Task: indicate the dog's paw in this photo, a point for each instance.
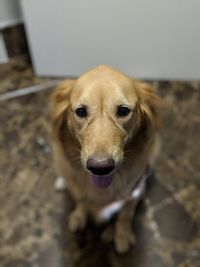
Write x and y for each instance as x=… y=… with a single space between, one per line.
x=77 y=220
x=108 y=233
x=123 y=240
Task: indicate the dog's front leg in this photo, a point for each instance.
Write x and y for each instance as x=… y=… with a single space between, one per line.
x=123 y=233
x=78 y=218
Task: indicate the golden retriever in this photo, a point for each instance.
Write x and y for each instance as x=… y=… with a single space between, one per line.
x=105 y=127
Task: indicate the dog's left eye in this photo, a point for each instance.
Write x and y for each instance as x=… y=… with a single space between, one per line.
x=81 y=112
x=122 y=111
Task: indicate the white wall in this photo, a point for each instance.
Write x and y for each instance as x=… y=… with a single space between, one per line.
x=10 y=13
x=146 y=38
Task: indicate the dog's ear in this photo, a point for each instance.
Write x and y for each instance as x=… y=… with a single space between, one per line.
x=60 y=104
x=148 y=105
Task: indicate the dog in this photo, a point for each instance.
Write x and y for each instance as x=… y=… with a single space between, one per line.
x=105 y=134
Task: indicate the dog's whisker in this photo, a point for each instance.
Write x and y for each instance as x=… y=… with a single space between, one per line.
x=128 y=150
x=77 y=158
x=78 y=149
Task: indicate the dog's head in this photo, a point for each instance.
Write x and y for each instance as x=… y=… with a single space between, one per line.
x=102 y=112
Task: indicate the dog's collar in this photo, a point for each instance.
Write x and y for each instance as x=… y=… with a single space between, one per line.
x=143 y=177
x=112 y=209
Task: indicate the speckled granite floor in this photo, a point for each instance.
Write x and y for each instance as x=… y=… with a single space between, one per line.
x=33 y=216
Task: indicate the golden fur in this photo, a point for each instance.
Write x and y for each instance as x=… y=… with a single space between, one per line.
x=131 y=141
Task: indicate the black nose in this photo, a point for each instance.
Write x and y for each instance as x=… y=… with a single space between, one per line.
x=100 y=166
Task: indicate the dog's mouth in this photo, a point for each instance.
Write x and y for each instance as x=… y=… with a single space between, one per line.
x=102 y=181
x=101 y=170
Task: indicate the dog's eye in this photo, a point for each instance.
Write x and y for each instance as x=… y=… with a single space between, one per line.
x=122 y=111
x=81 y=112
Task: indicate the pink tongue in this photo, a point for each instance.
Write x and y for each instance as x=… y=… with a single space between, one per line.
x=102 y=180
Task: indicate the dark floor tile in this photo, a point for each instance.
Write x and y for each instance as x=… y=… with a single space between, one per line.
x=156 y=192
x=178 y=257
x=175 y=223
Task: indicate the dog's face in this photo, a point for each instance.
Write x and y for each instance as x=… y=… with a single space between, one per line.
x=104 y=109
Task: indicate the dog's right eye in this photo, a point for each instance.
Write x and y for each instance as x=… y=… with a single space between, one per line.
x=81 y=112
x=122 y=111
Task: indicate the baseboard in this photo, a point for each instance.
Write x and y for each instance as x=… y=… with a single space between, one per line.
x=3 y=51
x=10 y=23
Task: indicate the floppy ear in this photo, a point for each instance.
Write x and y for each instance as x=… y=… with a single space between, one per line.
x=149 y=104
x=60 y=103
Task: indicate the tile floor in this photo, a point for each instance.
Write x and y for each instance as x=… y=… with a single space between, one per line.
x=33 y=216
